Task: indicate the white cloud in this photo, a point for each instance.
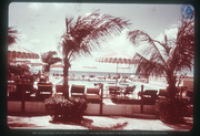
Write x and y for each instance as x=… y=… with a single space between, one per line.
x=171 y=34
x=119 y=44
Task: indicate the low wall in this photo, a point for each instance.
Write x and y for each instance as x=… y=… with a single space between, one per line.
x=121 y=109
x=14 y=107
x=34 y=107
x=92 y=109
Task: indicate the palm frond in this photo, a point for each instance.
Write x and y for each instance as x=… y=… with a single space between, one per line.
x=147 y=66
x=138 y=36
x=183 y=53
x=12 y=35
x=87 y=31
x=150 y=49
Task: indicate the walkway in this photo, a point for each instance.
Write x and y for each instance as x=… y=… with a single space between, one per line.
x=95 y=123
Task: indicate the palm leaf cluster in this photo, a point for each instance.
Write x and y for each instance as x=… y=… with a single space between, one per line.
x=86 y=31
x=12 y=35
x=165 y=57
x=50 y=58
x=185 y=46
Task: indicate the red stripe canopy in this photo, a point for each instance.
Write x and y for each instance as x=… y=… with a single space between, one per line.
x=116 y=58
x=15 y=51
x=57 y=65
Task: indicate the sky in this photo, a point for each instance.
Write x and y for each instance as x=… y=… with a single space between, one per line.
x=41 y=25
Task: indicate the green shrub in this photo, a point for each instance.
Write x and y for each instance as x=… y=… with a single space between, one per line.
x=170 y=112
x=65 y=110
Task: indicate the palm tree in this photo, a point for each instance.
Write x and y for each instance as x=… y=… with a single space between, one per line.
x=83 y=34
x=12 y=36
x=50 y=58
x=168 y=57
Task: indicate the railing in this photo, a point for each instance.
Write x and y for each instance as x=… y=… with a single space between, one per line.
x=24 y=100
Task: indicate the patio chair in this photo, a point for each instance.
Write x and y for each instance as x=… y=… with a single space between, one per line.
x=162 y=93
x=129 y=90
x=78 y=91
x=93 y=94
x=114 y=92
x=29 y=90
x=150 y=93
x=187 y=97
x=17 y=94
x=59 y=90
x=150 y=96
x=44 y=91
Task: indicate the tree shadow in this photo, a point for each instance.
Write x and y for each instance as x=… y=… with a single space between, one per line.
x=183 y=126
x=14 y=125
x=85 y=122
x=118 y=126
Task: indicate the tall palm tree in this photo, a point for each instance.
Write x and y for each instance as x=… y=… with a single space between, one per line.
x=168 y=57
x=12 y=35
x=83 y=33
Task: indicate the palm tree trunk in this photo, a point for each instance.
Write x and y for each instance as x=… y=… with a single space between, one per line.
x=65 y=78
x=172 y=86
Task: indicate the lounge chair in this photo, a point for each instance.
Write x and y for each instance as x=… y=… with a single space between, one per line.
x=129 y=90
x=17 y=94
x=59 y=89
x=78 y=91
x=150 y=92
x=149 y=96
x=162 y=93
x=114 y=92
x=93 y=94
x=44 y=91
x=187 y=97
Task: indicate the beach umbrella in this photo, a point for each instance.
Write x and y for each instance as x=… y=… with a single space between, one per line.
x=21 y=54
x=118 y=58
x=57 y=65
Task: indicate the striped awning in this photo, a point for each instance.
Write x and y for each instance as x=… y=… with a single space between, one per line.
x=57 y=65
x=15 y=52
x=116 y=58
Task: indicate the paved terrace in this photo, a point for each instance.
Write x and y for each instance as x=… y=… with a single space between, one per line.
x=98 y=123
